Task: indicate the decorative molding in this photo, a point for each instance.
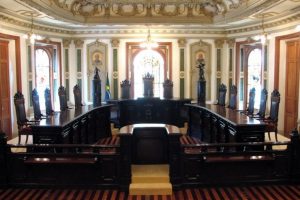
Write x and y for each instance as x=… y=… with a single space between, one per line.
x=219 y=43
x=67 y=75
x=181 y=74
x=79 y=75
x=115 y=43
x=230 y=74
x=181 y=42
x=78 y=43
x=115 y=75
x=29 y=76
x=265 y=75
x=219 y=74
x=230 y=42
x=66 y=43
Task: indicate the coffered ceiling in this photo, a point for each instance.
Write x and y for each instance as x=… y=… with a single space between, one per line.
x=102 y=14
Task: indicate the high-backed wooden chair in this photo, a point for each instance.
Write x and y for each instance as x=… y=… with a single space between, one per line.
x=36 y=105
x=168 y=89
x=232 y=97
x=222 y=94
x=125 y=89
x=62 y=98
x=250 y=110
x=262 y=106
x=22 y=122
x=77 y=96
x=48 y=103
x=271 y=121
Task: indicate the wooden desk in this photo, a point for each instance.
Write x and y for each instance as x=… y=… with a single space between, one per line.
x=134 y=148
x=150 y=110
x=213 y=123
x=84 y=125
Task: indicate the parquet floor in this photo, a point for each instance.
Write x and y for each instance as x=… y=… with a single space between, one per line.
x=253 y=192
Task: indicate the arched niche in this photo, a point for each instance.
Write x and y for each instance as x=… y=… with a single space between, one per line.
x=203 y=48
x=96 y=57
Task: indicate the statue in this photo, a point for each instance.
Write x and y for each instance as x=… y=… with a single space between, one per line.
x=200 y=63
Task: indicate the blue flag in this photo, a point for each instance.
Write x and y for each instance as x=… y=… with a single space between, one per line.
x=107 y=89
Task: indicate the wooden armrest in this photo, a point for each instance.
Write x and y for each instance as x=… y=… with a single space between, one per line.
x=61 y=160
x=241 y=158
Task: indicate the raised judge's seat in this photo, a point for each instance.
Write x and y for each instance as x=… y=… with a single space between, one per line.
x=250 y=109
x=77 y=96
x=232 y=97
x=222 y=94
x=168 y=89
x=36 y=105
x=262 y=106
x=272 y=119
x=125 y=89
x=48 y=103
x=62 y=98
x=22 y=122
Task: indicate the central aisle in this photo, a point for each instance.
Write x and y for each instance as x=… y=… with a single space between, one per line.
x=150 y=180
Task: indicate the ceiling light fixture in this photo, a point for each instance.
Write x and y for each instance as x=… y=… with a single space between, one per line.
x=149 y=43
x=30 y=35
x=298 y=28
x=264 y=36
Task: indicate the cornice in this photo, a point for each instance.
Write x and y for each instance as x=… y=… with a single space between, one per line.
x=50 y=30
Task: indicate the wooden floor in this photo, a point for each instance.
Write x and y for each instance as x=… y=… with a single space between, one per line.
x=261 y=192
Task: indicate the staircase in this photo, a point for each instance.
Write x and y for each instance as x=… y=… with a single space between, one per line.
x=150 y=180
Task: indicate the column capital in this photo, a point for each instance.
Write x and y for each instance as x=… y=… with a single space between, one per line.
x=66 y=42
x=78 y=43
x=231 y=42
x=115 y=42
x=181 y=42
x=219 y=42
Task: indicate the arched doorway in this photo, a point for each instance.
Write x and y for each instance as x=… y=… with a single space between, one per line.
x=148 y=61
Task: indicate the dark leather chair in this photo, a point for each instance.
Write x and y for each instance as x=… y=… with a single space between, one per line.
x=168 y=89
x=22 y=122
x=62 y=98
x=222 y=94
x=262 y=106
x=77 y=96
x=250 y=110
x=272 y=120
x=36 y=105
x=148 y=80
x=48 y=103
x=125 y=89
x=232 y=97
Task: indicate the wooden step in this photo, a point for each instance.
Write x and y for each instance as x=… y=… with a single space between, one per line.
x=150 y=189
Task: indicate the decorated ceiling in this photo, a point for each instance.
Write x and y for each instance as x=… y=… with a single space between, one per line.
x=82 y=14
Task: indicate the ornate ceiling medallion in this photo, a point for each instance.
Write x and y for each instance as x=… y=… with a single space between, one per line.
x=184 y=10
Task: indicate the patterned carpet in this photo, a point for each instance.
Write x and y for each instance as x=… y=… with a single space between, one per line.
x=258 y=192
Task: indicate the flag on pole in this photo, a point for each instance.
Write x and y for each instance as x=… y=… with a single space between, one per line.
x=107 y=89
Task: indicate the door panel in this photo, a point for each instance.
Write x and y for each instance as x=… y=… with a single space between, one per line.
x=291 y=87
x=5 y=115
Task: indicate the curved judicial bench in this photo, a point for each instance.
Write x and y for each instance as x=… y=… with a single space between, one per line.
x=213 y=123
x=149 y=110
x=82 y=125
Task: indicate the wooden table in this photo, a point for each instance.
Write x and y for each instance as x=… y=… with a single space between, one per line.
x=214 y=123
x=81 y=125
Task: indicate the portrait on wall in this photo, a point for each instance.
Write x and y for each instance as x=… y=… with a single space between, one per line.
x=97 y=59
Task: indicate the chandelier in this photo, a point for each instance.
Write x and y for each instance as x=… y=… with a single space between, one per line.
x=30 y=35
x=264 y=36
x=149 y=43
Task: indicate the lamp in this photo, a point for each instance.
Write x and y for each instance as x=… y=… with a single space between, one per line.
x=149 y=43
x=30 y=35
x=264 y=36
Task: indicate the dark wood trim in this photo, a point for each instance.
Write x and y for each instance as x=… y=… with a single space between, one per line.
x=277 y=55
x=18 y=57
